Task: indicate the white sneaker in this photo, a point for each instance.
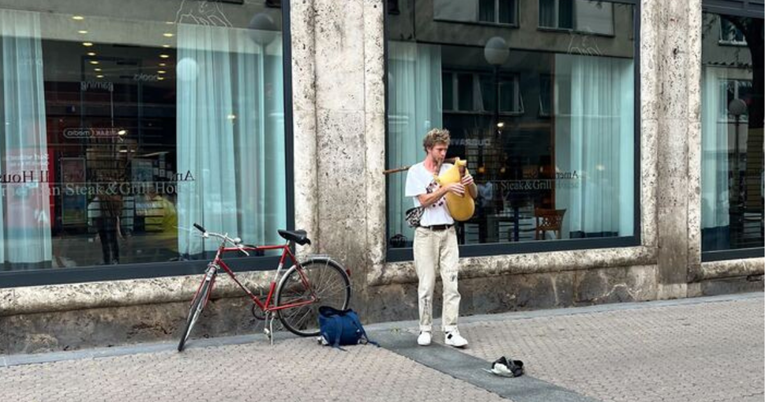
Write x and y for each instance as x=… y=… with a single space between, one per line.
x=454 y=338
x=424 y=338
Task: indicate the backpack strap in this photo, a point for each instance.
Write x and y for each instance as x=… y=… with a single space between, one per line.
x=338 y=332
x=358 y=325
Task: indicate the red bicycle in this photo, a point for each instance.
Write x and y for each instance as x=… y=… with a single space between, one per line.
x=300 y=291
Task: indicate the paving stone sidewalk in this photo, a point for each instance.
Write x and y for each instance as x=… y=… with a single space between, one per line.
x=707 y=349
x=290 y=370
x=704 y=351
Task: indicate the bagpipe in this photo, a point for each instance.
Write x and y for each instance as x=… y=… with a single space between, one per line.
x=461 y=207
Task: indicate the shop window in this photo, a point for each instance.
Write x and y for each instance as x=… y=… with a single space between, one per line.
x=561 y=174
x=732 y=178
x=120 y=134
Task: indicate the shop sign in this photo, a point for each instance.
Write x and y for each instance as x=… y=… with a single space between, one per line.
x=91 y=133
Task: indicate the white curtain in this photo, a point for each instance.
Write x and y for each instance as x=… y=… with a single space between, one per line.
x=230 y=135
x=414 y=107
x=715 y=195
x=595 y=139
x=25 y=232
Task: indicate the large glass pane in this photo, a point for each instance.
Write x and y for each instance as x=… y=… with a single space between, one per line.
x=553 y=155
x=125 y=127
x=732 y=140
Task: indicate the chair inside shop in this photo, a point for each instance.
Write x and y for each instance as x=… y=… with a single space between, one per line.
x=548 y=220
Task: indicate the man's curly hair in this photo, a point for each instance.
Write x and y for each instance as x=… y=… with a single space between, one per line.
x=436 y=136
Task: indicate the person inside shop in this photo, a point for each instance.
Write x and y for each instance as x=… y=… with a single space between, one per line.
x=105 y=210
x=435 y=240
x=161 y=221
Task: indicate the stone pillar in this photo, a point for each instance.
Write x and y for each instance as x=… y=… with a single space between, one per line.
x=302 y=34
x=348 y=40
x=678 y=58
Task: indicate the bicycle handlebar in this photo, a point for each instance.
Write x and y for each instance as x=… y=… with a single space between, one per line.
x=236 y=242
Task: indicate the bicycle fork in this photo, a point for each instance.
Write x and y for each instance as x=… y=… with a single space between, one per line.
x=269 y=329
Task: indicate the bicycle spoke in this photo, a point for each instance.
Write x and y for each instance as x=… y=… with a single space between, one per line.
x=304 y=318
x=326 y=280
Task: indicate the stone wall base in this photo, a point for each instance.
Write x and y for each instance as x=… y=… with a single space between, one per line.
x=104 y=327
x=723 y=286
x=520 y=292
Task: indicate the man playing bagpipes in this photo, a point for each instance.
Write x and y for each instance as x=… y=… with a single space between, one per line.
x=442 y=192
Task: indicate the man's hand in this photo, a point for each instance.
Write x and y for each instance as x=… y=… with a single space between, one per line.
x=469 y=184
x=467 y=179
x=456 y=188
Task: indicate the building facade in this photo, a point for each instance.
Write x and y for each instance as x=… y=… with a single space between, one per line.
x=617 y=145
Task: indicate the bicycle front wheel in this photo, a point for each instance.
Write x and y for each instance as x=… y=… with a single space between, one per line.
x=329 y=283
x=197 y=305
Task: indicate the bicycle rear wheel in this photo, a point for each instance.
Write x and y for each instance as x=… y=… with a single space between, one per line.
x=329 y=282
x=197 y=305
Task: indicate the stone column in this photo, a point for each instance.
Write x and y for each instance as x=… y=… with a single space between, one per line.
x=348 y=73
x=677 y=28
x=302 y=34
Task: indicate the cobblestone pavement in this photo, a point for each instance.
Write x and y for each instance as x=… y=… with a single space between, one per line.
x=710 y=351
x=290 y=370
x=695 y=350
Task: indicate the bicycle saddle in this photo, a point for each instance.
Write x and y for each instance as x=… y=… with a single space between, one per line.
x=298 y=236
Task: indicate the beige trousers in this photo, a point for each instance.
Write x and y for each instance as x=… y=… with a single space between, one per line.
x=436 y=251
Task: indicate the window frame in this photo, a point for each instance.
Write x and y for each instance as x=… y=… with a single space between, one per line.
x=494 y=249
x=514 y=24
x=504 y=77
x=557 y=26
x=723 y=41
x=574 y=28
x=496 y=14
x=97 y=273
x=739 y=8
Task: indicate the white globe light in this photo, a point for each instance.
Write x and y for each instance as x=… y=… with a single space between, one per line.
x=737 y=107
x=496 y=51
x=263 y=30
x=187 y=69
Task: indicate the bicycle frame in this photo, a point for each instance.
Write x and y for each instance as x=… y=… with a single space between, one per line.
x=266 y=306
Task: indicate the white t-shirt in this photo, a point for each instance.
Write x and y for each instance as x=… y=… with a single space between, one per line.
x=420 y=181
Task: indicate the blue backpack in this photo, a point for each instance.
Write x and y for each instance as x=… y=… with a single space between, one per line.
x=341 y=327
